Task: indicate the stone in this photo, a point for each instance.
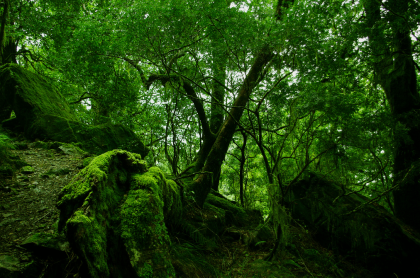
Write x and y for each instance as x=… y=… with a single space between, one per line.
x=370 y=234
x=43 y=241
x=27 y=170
x=43 y=113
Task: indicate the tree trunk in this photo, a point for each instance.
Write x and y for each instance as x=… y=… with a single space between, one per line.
x=241 y=169
x=218 y=82
x=3 y=36
x=203 y=183
x=396 y=74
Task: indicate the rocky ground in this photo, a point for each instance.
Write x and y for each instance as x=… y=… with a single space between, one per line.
x=28 y=200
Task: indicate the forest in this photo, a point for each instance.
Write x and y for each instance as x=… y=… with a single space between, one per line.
x=178 y=131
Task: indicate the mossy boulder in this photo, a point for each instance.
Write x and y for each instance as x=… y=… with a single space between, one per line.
x=235 y=215
x=43 y=113
x=366 y=233
x=30 y=96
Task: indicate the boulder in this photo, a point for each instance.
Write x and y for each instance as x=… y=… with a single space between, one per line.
x=365 y=233
x=43 y=113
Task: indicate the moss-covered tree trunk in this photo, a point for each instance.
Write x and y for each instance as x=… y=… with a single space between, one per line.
x=115 y=213
x=395 y=72
x=3 y=37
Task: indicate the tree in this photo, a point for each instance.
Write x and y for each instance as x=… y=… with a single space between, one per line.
x=389 y=38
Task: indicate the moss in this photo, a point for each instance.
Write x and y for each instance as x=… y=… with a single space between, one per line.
x=94 y=139
x=214 y=220
x=31 y=95
x=27 y=170
x=172 y=202
x=89 y=240
x=234 y=214
x=143 y=226
x=87 y=161
x=114 y=198
x=43 y=113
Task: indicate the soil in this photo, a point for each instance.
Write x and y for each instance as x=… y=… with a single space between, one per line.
x=29 y=206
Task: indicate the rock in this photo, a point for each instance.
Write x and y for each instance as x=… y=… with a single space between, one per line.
x=9 y=267
x=42 y=209
x=20 y=145
x=27 y=170
x=23 y=178
x=56 y=172
x=371 y=235
x=38 y=145
x=43 y=113
x=70 y=149
x=44 y=241
x=4 y=207
x=270 y=269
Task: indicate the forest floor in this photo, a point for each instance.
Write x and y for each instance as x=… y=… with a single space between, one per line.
x=28 y=201
x=28 y=206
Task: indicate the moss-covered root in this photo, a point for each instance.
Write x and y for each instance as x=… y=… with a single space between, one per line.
x=151 y=199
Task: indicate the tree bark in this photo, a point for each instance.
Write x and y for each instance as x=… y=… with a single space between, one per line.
x=218 y=82
x=3 y=29
x=395 y=72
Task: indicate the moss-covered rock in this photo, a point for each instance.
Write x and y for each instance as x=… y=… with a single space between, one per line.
x=43 y=113
x=30 y=96
x=40 y=241
x=115 y=213
x=364 y=232
x=235 y=215
x=27 y=170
